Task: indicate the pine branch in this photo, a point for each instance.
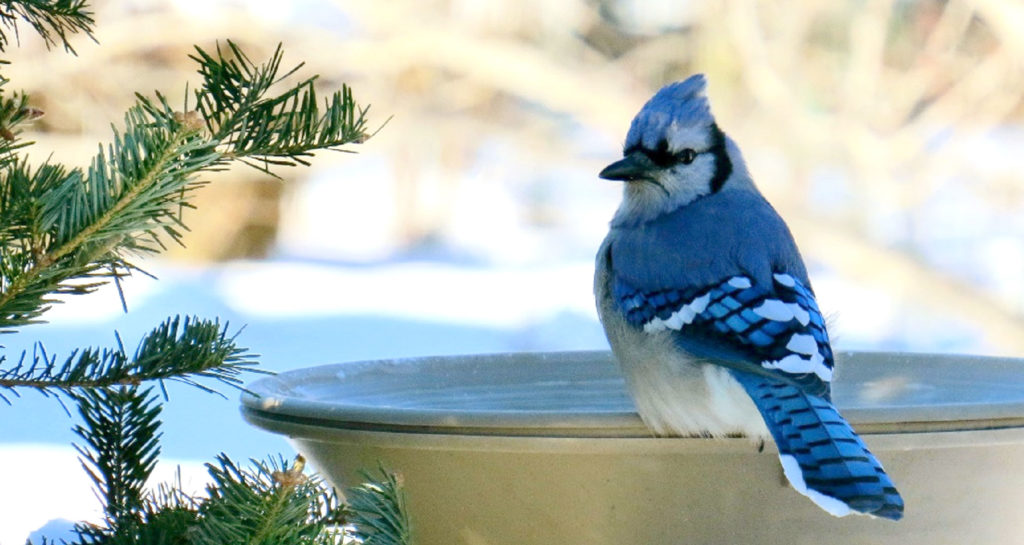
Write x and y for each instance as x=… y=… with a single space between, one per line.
x=167 y=518
x=120 y=431
x=379 y=512
x=68 y=231
x=53 y=20
x=84 y=226
x=275 y=130
x=271 y=504
x=23 y=242
x=14 y=113
x=182 y=350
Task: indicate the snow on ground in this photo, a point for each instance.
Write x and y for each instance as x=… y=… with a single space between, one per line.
x=44 y=485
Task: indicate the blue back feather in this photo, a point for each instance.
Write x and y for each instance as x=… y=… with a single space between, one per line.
x=707 y=241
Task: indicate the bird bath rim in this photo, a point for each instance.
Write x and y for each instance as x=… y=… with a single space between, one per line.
x=582 y=394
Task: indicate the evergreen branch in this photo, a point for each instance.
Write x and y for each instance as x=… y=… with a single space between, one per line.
x=271 y=504
x=379 y=511
x=48 y=18
x=24 y=243
x=14 y=112
x=171 y=496
x=84 y=224
x=277 y=130
x=167 y=517
x=137 y=187
x=72 y=231
x=183 y=350
x=67 y=231
x=121 y=445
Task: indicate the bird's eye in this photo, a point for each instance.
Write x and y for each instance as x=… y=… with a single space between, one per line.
x=687 y=156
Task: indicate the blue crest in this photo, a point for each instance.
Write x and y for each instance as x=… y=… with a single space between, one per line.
x=680 y=103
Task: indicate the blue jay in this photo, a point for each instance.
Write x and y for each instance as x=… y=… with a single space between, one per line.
x=707 y=306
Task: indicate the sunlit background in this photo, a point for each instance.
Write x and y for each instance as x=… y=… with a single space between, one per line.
x=887 y=133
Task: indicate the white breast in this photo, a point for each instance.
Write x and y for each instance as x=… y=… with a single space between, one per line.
x=676 y=394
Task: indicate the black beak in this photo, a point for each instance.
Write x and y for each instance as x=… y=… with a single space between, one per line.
x=635 y=166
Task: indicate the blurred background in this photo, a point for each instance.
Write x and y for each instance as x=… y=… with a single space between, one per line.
x=888 y=133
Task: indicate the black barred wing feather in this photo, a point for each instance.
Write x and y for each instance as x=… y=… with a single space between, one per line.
x=775 y=340
x=776 y=329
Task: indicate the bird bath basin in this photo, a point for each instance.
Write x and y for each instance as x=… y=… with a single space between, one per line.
x=546 y=448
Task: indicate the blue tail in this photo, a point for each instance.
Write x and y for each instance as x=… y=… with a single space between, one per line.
x=821 y=455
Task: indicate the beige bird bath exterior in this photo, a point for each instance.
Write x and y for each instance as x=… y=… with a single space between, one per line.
x=545 y=448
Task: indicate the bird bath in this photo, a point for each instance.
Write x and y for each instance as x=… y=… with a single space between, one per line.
x=546 y=448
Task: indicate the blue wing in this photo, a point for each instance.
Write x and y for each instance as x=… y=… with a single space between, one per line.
x=774 y=340
x=775 y=330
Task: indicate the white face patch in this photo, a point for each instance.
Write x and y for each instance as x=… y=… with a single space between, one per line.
x=676 y=186
x=644 y=200
x=791 y=468
x=697 y=138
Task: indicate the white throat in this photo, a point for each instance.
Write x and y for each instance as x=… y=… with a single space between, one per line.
x=643 y=201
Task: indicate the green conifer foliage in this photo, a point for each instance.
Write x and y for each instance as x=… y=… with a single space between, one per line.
x=67 y=230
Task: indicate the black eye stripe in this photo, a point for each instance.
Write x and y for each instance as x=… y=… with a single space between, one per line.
x=662 y=157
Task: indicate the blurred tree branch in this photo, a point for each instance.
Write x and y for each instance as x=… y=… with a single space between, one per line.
x=904 y=72
x=53 y=20
x=868 y=88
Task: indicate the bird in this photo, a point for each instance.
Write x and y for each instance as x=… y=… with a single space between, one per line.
x=707 y=306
